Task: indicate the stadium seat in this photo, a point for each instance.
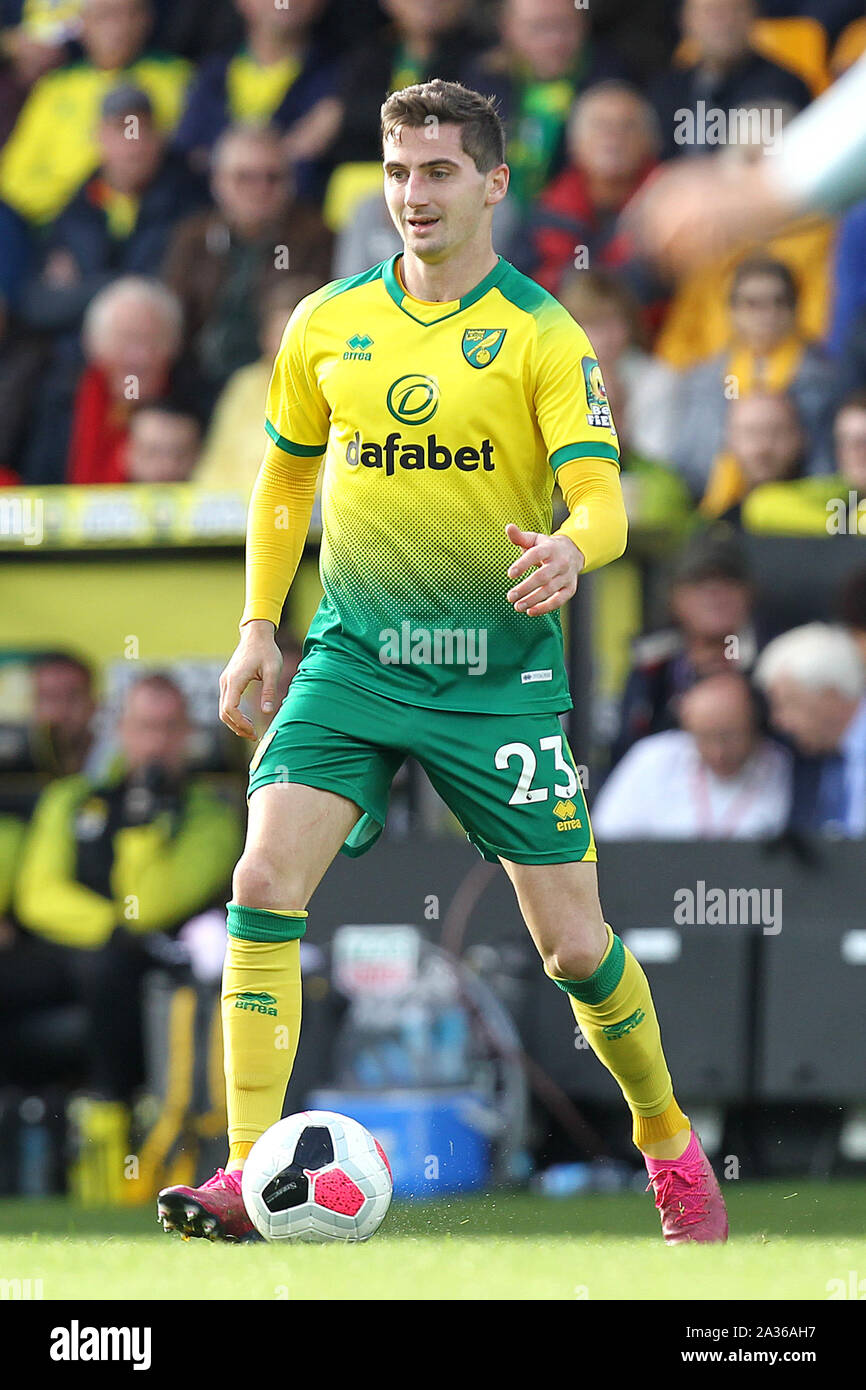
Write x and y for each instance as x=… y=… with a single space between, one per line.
x=797 y=43
x=850 y=46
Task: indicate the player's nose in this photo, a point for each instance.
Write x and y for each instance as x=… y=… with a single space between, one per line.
x=415 y=195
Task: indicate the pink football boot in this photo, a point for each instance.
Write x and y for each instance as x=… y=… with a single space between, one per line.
x=688 y=1197
x=215 y=1210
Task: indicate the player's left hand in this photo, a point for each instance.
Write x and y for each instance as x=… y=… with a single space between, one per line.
x=554 y=582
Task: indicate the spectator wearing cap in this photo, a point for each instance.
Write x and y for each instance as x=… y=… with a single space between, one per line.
x=815 y=681
x=612 y=141
x=281 y=76
x=714 y=629
x=220 y=261
x=767 y=353
x=119 y=222
x=132 y=338
x=720 y=777
x=53 y=146
x=721 y=71
x=545 y=58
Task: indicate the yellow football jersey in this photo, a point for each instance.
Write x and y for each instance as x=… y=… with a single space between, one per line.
x=440 y=423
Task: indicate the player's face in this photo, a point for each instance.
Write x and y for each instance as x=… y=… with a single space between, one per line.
x=437 y=198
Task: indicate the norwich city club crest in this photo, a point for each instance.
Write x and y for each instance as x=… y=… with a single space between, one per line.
x=480 y=345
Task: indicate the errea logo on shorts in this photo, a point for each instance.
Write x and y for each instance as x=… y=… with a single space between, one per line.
x=566 y=814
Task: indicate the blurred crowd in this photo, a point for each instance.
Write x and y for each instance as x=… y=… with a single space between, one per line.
x=175 y=175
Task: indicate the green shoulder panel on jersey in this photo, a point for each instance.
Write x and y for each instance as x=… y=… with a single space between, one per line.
x=549 y=316
x=349 y=282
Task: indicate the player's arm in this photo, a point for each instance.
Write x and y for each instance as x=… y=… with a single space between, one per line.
x=583 y=451
x=697 y=209
x=279 y=518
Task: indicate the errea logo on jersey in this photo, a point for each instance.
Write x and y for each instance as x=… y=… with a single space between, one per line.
x=359 y=348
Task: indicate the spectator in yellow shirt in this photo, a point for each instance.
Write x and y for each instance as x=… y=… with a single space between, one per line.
x=831 y=505
x=53 y=147
x=766 y=353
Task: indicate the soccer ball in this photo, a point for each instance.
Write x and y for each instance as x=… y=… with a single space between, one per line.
x=317 y=1176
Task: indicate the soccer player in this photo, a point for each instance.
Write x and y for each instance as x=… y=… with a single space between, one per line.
x=447 y=393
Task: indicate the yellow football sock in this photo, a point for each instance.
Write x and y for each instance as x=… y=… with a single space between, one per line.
x=261 y=1014
x=615 y=1012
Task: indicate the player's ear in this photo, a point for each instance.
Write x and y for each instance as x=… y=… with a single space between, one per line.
x=497 y=183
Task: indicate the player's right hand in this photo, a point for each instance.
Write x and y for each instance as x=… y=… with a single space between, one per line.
x=256 y=657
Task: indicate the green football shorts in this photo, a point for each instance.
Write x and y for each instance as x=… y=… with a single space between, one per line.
x=510 y=779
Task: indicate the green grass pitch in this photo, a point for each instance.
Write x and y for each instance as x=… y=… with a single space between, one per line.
x=788 y=1241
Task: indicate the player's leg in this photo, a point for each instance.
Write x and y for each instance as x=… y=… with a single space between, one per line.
x=608 y=991
x=513 y=783
x=294 y=832
x=312 y=788
x=612 y=1003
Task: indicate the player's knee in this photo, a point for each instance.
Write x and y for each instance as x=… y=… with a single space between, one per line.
x=259 y=882
x=573 y=961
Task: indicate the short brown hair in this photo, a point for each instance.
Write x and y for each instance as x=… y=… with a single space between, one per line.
x=450 y=103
